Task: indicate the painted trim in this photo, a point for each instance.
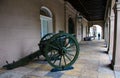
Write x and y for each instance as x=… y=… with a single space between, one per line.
x=45 y=17
x=43 y=7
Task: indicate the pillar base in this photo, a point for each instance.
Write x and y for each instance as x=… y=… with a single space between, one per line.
x=115 y=67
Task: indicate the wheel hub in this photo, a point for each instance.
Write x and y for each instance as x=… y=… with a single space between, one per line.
x=62 y=51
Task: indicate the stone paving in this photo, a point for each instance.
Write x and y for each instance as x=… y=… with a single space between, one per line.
x=93 y=62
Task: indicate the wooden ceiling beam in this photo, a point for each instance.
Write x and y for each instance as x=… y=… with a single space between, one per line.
x=90 y=8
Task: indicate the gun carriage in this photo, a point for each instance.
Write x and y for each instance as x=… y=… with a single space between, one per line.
x=61 y=50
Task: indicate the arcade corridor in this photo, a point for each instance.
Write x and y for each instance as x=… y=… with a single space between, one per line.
x=23 y=23
x=93 y=62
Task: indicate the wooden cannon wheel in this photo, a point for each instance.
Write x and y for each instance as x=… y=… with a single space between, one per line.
x=61 y=50
x=46 y=37
x=43 y=42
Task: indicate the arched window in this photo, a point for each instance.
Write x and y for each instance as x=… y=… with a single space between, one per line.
x=46 y=18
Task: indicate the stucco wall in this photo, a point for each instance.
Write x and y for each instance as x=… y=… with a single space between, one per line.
x=57 y=9
x=81 y=34
x=79 y=29
x=70 y=13
x=20 y=26
x=85 y=25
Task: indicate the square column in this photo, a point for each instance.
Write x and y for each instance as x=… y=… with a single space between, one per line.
x=106 y=34
x=111 y=36
x=116 y=50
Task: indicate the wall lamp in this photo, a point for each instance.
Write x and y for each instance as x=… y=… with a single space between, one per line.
x=79 y=18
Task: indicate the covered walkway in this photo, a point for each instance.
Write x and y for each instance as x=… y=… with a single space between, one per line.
x=93 y=62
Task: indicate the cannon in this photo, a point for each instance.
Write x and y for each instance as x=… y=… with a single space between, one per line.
x=61 y=50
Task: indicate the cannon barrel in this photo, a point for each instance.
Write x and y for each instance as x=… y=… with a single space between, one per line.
x=23 y=61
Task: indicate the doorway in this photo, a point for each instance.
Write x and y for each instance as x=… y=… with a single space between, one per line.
x=71 y=28
x=96 y=32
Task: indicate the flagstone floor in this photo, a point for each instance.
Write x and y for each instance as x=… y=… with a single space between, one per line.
x=93 y=62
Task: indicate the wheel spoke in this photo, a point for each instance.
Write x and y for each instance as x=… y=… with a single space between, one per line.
x=70 y=54
x=55 y=55
x=60 y=61
x=71 y=51
x=54 y=61
x=50 y=55
x=56 y=58
x=68 y=43
x=64 y=59
x=68 y=57
x=63 y=41
x=71 y=45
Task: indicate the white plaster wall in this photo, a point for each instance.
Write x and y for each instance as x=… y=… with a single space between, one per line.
x=57 y=8
x=85 y=24
x=20 y=26
x=112 y=29
x=70 y=13
x=84 y=31
x=79 y=29
x=111 y=35
x=116 y=57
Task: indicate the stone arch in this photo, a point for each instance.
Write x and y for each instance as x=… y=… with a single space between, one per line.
x=45 y=11
x=100 y=23
x=95 y=30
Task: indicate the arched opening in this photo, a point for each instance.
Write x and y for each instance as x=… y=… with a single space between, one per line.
x=46 y=18
x=71 y=28
x=96 y=32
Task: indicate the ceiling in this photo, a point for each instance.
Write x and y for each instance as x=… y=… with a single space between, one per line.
x=92 y=10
